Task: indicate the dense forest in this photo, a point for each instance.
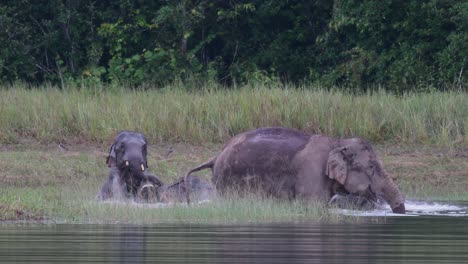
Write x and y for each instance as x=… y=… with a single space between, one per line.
x=397 y=44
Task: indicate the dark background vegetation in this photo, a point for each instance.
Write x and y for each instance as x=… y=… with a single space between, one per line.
x=397 y=44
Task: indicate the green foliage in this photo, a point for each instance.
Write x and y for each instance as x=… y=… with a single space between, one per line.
x=355 y=44
x=399 y=43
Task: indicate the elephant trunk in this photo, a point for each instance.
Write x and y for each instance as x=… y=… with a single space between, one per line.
x=393 y=196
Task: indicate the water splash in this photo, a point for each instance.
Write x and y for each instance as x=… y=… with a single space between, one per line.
x=415 y=208
x=132 y=203
x=437 y=208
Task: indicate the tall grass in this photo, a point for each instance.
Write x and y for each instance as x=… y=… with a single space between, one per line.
x=45 y=181
x=214 y=115
x=220 y=210
x=75 y=203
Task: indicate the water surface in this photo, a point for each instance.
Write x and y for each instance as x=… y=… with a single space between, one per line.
x=422 y=239
x=415 y=208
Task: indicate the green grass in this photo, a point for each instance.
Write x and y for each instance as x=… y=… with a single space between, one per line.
x=41 y=181
x=422 y=141
x=74 y=203
x=213 y=115
x=428 y=172
x=226 y=210
x=46 y=182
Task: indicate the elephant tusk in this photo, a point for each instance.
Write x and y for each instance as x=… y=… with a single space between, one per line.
x=142 y=167
x=126 y=163
x=147 y=185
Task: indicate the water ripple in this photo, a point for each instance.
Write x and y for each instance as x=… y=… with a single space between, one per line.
x=424 y=239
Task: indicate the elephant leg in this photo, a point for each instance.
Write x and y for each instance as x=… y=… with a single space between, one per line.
x=309 y=188
x=106 y=191
x=118 y=186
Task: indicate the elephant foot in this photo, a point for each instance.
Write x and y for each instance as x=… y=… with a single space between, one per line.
x=147 y=193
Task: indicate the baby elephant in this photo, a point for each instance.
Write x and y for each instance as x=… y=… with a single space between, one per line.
x=175 y=192
x=128 y=167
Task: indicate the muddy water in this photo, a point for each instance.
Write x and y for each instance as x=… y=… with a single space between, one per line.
x=437 y=233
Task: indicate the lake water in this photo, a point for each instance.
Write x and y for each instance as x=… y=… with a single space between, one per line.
x=431 y=233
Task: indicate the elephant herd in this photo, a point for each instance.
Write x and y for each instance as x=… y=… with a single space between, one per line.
x=276 y=162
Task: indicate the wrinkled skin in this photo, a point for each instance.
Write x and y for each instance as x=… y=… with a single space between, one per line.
x=287 y=163
x=175 y=192
x=128 y=166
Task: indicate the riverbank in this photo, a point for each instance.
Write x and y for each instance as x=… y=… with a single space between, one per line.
x=58 y=183
x=54 y=143
x=214 y=114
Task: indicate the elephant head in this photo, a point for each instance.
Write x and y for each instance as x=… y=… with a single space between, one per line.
x=128 y=169
x=355 y=165
x=128 y=153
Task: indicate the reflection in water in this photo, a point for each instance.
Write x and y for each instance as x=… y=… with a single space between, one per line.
x=396 y=240
x=129 y=245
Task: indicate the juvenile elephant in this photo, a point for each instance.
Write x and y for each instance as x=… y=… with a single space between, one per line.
x=287 y=163
x=176 y=191
x=128 y=167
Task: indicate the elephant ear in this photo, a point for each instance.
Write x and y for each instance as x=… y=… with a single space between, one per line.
x=336 y=165
x=111 y=159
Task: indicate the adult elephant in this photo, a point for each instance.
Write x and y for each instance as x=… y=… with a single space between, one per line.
x=128 y=166
x=287 y=163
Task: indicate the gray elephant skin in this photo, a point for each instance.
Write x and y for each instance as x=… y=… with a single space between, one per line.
x=290 y=164
x=128 y=166
x=176 y=191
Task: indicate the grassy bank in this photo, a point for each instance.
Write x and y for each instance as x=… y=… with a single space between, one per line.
x=44 y=182
x=214 y=115
x=421 y=139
